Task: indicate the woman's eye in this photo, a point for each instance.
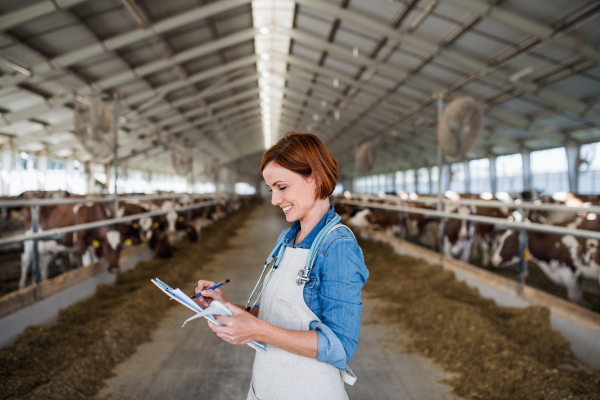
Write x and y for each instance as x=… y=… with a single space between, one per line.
x=283 y=188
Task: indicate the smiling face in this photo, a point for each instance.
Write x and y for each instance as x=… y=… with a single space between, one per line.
x=292 y=192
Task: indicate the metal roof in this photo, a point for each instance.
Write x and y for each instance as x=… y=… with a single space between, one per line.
x=356 y=70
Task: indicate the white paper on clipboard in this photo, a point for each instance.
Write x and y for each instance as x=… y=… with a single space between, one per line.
x=182 y=298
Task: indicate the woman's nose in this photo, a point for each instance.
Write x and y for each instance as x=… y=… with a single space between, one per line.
x=275 y=198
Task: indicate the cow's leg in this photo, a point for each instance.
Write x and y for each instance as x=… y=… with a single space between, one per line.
x=26 y=258
x=575 y=291
x=466 y=252
x=60 y=260
x=448 y=247
x=485 y=252
x=73 y=259
x=45 y=260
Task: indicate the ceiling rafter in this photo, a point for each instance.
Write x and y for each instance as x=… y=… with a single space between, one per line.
x=540 y=31
x=125 y=39
x=481 y=68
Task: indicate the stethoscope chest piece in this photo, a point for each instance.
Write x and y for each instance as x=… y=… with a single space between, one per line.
x=302 y=278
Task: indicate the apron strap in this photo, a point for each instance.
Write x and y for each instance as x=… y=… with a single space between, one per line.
x=348 y=376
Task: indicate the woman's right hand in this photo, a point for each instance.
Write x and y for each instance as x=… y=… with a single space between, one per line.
x=209 y=295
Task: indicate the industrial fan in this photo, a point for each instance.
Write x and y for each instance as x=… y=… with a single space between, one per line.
x=366 y=157
x=95 y=127
x=211 y=170
x=460 y=126
x=182 y=160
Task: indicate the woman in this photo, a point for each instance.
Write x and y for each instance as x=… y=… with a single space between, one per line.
x=310 y=327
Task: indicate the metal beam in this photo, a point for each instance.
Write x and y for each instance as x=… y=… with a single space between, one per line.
x=471 y=64
x=37 y=10
x=126 y=39
x=495 y=13
x=179 y=58
x=400 y=74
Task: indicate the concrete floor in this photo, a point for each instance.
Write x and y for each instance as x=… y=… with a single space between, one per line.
x=192 y=362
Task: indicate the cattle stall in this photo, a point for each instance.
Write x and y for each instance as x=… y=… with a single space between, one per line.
x=458 y=141
x=520 y=295
x=38 y=302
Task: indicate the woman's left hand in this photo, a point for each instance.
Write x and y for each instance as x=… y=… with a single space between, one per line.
x=241 y=328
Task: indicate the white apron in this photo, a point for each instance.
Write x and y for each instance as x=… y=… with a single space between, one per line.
x=278 y=374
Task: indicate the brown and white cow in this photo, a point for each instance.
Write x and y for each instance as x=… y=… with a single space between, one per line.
x=459 y=234
x=566 y=260
x=58 y=216
x=487 y=237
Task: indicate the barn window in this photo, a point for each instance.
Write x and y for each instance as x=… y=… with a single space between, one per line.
x=56 y=164
x=434 y=179
x=479 y=173
x=399 y=181
x=589 y=169
x=423 y=181
x=457 y=177
x=244 y=188
x=409 y=177
x=509 y=173
x=549 y=170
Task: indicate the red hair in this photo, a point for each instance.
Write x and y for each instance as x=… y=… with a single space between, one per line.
x=306 y=155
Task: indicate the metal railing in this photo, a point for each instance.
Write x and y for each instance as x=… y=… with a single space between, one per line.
x=522 y=227
x=525 y=205
x=35 y=205
x=106 y=199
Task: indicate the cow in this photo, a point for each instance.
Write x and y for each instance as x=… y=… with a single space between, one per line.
x=459 y=234
x=160 y=244
x=135 y=231
x=487 y=236
x=58 y=216
x=566 y=260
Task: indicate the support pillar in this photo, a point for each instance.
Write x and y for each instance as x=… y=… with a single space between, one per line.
x=89 y=177
x=446 y=178
x=6 y=168
x=42 y=171
x=430 y=180
x=467 y=177
x=572 y=150
x=69 y=172
x=393 y=180
x=493 y=178
x=526 y=156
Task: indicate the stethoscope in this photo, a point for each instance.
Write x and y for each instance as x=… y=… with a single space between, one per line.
x=277 y=254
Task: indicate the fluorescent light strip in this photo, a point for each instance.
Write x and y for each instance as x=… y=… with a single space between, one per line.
x=269 y=43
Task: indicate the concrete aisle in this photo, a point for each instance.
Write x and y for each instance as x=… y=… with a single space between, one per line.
x=192 y=362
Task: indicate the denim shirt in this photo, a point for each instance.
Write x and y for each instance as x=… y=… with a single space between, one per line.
x=333 y=292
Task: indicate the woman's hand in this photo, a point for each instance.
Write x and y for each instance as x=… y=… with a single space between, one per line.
x=241 y=328
x=208 y=295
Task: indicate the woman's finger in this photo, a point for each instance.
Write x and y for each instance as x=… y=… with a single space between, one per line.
x=217 y=328
x=202 y=284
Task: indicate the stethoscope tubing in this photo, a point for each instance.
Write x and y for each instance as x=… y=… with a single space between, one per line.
x=276 y=259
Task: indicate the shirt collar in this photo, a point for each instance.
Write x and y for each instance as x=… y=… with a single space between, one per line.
x=310 y=238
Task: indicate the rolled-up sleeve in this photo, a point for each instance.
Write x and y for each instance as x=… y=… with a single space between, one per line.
x=342 y=278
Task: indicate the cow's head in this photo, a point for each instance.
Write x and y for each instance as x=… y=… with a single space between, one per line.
x=145 y=228
x=412 y=225
x=111 y=249
x=171 y=220
x=507 y=252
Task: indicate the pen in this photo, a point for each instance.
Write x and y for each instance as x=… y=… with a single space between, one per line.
x=212 y=288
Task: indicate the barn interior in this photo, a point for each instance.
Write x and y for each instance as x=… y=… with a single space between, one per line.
x=460 y=128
